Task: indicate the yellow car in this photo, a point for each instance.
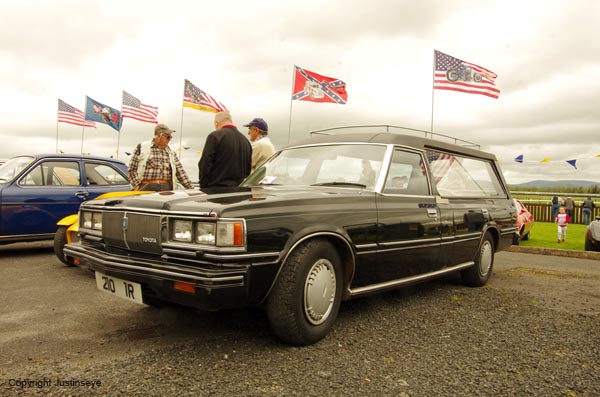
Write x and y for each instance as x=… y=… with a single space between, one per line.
x=68 y=228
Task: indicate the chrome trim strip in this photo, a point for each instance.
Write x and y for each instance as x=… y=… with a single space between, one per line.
x=370 y=245
x=404 y=281
x=110 y=265
x=407 y=242
x=242 y=256
x=195 y=215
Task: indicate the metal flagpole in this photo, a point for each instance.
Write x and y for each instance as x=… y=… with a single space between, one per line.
x=119 y=132
x=82 y=133
x=181 y=133
x=291 y=101
x=432 y=93
x=57 y=135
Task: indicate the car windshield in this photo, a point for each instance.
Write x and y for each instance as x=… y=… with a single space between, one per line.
x=12 y=168
x=347 y=165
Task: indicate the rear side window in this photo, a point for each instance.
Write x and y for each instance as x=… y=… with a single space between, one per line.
x=102 y=174
x=457 y=176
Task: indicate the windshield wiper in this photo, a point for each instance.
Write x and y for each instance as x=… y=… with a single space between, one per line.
x=339 y=184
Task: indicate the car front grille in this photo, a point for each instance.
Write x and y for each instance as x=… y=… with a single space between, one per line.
x=133 y=231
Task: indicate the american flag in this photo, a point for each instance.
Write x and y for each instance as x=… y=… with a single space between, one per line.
x=458 y=75
x=439 y=164
x=133 y=108
x=194 y=97
x=310 y=86
x=68 y=114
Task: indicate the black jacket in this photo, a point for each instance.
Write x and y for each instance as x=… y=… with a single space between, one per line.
x=226 y=158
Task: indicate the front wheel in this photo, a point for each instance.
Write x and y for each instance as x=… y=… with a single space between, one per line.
x=60 y=239
x=305 y=300
x=479 y=274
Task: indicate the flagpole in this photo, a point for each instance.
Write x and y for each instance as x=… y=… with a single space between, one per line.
x=291 y=101
x=180 y=132
x=82 y=132
x=432 y=94
x=57 y=135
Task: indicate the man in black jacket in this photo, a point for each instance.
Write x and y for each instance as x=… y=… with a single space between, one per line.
x=227 y=155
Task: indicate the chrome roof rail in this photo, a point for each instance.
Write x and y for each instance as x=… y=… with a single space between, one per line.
x=457 y=141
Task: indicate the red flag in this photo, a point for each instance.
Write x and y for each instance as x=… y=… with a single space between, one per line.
x=458 y=75
x=309 y=86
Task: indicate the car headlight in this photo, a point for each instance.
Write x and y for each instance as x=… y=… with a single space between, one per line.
x=205 y=233
x=90 y=220
x=86 y=219
x=182 y=231
x=97 y=220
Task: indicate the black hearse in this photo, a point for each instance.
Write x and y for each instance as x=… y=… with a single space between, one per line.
x=323 y=221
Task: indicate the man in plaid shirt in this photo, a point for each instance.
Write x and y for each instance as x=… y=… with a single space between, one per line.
x=154 y=166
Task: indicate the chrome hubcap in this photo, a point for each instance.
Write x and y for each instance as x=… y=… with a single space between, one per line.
x=485 y=260
x=319 y=291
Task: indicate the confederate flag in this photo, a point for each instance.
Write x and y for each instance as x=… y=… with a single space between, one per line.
x=309 y=86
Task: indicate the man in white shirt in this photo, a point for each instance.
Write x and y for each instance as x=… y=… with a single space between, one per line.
x=262 y=148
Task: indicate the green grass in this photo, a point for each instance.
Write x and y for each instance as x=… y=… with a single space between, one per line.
x=543 y=235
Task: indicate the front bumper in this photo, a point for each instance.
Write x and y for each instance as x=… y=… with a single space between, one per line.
x=215 y=287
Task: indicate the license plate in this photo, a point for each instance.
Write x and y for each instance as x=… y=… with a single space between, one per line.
x=121 y=288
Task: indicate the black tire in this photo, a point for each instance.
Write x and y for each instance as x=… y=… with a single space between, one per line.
x=479 y=274
x=60 y=239
x=297 y=313
x=516 y=239
x=589 y=246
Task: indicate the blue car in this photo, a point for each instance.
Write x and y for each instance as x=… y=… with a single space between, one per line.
x=36 y=191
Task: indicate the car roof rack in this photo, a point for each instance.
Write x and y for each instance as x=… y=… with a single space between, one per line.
x=457 y=141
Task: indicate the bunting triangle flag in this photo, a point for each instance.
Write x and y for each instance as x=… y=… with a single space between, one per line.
x=519 y=158
x=572 y=163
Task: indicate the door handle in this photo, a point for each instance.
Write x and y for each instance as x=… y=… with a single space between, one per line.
x=432 y=212
x=82 y=195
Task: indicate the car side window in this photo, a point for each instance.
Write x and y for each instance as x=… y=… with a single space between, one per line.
x=457 y=176
x=53 y=173
x=103 y=174
x=406 y=175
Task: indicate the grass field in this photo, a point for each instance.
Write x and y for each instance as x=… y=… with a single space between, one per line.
x=543 y=235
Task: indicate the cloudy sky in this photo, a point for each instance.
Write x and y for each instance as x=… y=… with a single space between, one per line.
x=545 y=53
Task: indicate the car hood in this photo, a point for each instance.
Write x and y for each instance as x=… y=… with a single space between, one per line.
x=236 y=201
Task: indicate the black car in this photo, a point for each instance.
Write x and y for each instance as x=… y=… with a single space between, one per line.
x=333 y=218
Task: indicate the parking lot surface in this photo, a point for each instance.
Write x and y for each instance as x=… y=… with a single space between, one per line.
x=533 y=330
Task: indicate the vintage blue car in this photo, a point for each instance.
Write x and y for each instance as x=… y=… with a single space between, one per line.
x=36 y=191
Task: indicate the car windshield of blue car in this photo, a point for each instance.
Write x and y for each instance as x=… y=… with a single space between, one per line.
x=340 y=165
x=13 y=167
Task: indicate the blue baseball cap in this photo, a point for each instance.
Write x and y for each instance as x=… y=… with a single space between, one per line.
x=258 y=123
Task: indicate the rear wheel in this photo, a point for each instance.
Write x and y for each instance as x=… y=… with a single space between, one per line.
x=588 y=245
x=305 y=300
x=516 y=239
x=478 y=275
x=60 y=239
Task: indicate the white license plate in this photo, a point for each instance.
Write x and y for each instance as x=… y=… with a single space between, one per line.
x=121 y=288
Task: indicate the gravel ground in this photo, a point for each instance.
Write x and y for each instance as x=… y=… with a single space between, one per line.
x=436 y=339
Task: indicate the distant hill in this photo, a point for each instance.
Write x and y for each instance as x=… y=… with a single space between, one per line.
x=542 y=184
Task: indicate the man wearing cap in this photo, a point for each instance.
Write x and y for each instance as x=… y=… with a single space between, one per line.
x=227 y=155
x=154 y=166
x=262 y=148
